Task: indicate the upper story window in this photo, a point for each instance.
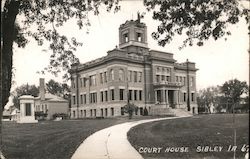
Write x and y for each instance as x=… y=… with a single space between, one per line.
x=139 y=76
x=139 y=37
x=129 y=76
x=105 y=77
x=73 y=83
x=92 y=80
x=125 y=37
x=135 y=76
x=101 y=78
x=121 y=75
x=112 y=76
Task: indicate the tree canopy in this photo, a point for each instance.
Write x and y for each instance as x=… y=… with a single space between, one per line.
x=59 y=89
x=25 y=89
x=199 y=20
x=233 y=89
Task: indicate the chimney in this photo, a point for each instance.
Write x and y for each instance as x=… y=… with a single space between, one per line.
x=42 y=89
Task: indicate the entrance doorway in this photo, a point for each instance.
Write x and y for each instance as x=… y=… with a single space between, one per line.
x=171 y=98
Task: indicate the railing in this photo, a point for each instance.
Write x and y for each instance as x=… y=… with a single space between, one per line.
x=166 y=83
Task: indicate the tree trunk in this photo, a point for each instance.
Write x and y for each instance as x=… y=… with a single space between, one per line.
x=9 y=14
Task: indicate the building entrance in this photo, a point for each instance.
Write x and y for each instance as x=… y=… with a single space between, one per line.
x=171 y=98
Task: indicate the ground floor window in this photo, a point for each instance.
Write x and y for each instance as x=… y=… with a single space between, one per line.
x=102 y=112
x=112 y=111
x=106 y=111
x=122 y=111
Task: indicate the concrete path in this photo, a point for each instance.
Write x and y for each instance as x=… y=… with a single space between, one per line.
x=111 y=143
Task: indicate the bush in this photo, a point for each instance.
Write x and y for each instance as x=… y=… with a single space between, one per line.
x=62 y=115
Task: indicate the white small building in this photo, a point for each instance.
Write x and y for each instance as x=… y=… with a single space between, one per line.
x=27 y=111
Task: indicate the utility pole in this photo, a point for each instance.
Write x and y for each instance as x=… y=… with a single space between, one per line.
x=188 y=87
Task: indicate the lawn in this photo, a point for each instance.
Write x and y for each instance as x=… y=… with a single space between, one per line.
x=50 y=139
x=187 y=134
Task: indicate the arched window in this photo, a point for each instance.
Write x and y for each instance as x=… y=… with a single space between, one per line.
x=112 y=77
x=121 y=75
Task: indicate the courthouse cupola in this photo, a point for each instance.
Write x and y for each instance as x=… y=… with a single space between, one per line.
x=133 y=33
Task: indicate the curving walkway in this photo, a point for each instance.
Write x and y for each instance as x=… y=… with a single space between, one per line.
x=111 y=143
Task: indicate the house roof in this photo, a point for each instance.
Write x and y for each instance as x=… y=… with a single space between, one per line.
x=52 y=98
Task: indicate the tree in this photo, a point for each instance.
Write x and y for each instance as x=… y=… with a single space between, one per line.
x=208 y=97
x=130 y=108
x=233 y=89
x=198 y=19
x=45 y=17
x=24 y=90
x=59 y=89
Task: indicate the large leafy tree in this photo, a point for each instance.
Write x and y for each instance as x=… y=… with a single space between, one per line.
x=233 y=89
x=25 y=89
x=199 y=20
x=59 y=89
x=208 y=97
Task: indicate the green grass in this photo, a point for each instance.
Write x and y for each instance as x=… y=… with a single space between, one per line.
x=202 y=130
x=51 y=139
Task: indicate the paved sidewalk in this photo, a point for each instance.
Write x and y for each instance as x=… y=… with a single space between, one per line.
x=111 y=143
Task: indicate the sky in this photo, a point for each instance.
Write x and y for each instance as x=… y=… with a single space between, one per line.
x=217 y=61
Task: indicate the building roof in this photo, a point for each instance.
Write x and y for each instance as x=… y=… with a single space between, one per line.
x=52 y=98
x=26 y=97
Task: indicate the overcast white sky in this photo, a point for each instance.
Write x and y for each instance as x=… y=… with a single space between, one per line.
x=217 y=61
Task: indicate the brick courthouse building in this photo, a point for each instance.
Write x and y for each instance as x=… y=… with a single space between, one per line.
x=151 y=79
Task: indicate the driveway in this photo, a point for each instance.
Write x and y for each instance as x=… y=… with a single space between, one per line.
x=111 y=143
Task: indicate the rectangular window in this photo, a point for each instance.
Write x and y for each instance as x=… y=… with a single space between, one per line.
x=157 y=78
x=94 y=112
x=85 y=113
x=140 y=95
x=101 y=78
x=121 y=94
x=74 y=99
x=135 y=76
x=192 y=81
x=168 y=78
x=176 y=79
x=85 y=98
x=106 y=95
x=139 y=76
x=112 y=91
x=130 y=76
x=112 y=111
x=125 y=37
x=162 y=78
x=81 y=114
x=184 y=97
x=135 y=94
x=106 y=111
x=73 y=83
x=192 y=97
x=84 y=82
x=81 y=99
x=105 y=77
x=122 y=111
x=130 y=95
x=184 y=81
x=139 y=37
x=91 y=112
x=28 y=109
x=102 y=97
